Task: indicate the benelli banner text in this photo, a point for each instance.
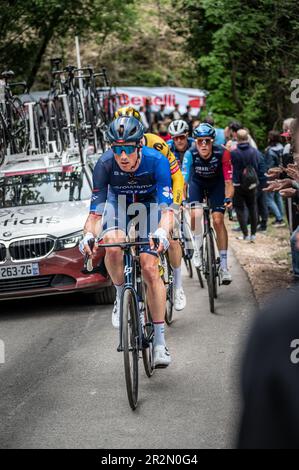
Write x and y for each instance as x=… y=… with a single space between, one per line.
x=136 y=96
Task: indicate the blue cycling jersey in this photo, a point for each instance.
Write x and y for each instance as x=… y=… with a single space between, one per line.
x=179 y=155
x=218 y=165
x=150 y=182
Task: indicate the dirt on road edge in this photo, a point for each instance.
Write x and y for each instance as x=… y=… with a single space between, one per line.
x=267 y=261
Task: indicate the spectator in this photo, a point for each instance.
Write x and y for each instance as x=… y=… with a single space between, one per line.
x=288 y=187
x=188 y=118
x=144 y=118
x=244 y=159
x=273 y=156
x=234 y=127
x=160 y=115
x=220 y=137
x=175 y=113
x=163 y=132
x=262 y=206
x=148 y=114
x=278 y=172
x=287 y=135
x=270 y=379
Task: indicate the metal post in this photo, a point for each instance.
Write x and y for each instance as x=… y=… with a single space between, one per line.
x=80 y=73
x=33 y=147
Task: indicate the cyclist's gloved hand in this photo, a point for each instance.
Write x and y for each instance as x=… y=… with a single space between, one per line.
x=84 y=246
x=228 y=202
x=161 y=234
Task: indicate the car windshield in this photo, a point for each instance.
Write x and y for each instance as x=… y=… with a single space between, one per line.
x=43 y=188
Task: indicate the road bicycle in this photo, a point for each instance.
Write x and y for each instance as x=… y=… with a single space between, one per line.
x=188 y=246
x=13 y=119
x=210 y=262
x=166 y=273
x=136 y=332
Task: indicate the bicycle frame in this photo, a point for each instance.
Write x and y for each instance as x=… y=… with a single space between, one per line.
x=133 y=281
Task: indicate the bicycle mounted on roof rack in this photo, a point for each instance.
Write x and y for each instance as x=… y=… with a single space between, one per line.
x=71 y=119
x=13 y=123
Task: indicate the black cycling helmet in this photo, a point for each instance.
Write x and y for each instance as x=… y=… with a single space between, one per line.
x=204 y=130
x=125 y=129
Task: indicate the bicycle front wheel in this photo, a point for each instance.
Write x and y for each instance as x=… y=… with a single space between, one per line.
x=168 y=281
x=188 y=265
x=211 y=270
x=130 y=339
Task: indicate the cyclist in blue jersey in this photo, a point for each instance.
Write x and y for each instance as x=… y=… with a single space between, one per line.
x=127 y=179
x=208 y=171
x=180 y=141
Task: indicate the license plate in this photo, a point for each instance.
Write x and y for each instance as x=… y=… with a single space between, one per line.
x=20 y=270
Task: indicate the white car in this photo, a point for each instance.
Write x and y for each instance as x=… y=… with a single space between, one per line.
x=43 y=206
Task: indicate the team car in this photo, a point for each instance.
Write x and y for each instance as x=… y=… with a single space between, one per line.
x=44 y=202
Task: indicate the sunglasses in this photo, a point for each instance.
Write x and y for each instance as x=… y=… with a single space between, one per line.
x=128 y=149
x=204 y=142
x=180 y=137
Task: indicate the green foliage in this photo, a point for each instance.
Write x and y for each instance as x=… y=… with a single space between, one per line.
x=29 y=26
x=247 y=54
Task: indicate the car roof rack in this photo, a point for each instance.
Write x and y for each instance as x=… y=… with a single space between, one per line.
x=17 y=164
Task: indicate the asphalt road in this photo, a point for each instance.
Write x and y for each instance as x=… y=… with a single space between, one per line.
x=62 y=384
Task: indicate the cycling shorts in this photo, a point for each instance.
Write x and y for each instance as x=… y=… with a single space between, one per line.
x=214 y=190
x=143 y=216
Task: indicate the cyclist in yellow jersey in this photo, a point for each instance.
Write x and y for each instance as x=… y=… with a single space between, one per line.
x=175 y=251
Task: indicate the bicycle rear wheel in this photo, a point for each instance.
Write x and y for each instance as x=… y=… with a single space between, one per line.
x=130 y=340
x=148 y=337
x=19 y=127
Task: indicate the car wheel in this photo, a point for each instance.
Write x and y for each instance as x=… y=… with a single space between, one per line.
x=105 y=296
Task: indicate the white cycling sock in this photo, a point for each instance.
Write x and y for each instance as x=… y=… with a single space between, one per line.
x=177 y=277
x=119 y=291
x=159 y=338
x=223 y=259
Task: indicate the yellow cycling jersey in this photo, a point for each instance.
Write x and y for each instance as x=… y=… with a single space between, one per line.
x=157 y=143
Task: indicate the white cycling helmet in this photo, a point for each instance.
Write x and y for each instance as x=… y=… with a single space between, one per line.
x=178 y=127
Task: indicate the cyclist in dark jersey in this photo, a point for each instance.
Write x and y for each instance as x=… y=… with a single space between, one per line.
x=127 y=179
x=207 y=169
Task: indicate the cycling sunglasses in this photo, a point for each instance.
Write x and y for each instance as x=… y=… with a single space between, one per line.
x=128 y=149
x=180 y=137
x=203 y=141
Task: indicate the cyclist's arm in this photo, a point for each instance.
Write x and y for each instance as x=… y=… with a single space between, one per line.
x=98 y=200
x=186 y=167
x=177 y=179
x=228 y=174
x=165 y=197
x=176 y=175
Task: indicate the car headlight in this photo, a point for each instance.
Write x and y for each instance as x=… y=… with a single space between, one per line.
x=69 y=241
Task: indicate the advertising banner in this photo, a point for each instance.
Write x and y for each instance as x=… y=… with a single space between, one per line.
x=136 y=96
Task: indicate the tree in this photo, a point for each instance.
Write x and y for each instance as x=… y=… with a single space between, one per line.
x=247 y=55
x=28 y=26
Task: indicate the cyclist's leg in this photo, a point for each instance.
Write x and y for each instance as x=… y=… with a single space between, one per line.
x=114 y=255
x=196 y=197
x=175 y=258
x=114 y=231
x=156 y=291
